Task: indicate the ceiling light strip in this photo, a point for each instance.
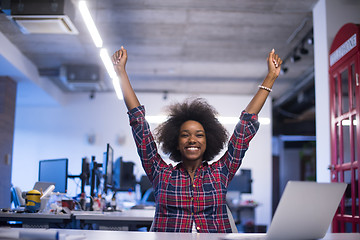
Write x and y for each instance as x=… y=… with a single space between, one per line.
x=107 y=62
x=99 y=43
x=110 y=69
x=90 y=24
x=116 y=84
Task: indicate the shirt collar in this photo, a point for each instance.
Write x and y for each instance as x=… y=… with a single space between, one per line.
x=181 y=167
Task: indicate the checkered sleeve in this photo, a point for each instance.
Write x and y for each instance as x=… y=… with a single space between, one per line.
x=244 y=131
x=145 y=144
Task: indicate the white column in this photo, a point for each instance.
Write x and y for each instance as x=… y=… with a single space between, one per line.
x=328 y=17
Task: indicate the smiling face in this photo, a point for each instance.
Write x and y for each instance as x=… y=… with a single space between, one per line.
x=192 y=141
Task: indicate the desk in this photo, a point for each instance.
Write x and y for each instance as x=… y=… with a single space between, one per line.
x=36 y=220
x=112 y=235
x=126 y=220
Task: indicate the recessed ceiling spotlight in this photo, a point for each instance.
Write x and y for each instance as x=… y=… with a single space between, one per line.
x=284 y=70
x=310 y=41
x=295 y=57
x=303 y=50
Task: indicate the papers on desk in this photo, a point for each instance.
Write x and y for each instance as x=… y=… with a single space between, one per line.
x=244 y=236
x=38 y=234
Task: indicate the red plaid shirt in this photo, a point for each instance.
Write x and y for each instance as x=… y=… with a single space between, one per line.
x=179 y=201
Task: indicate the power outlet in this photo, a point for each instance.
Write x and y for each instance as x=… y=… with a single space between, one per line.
x=7 y=159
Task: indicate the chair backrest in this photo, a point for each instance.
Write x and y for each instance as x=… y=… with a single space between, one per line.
x=231 y=220
x=17 y=197
x=230 y=216
x=148 y=196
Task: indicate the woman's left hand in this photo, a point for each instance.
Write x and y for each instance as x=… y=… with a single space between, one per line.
x=274 y=63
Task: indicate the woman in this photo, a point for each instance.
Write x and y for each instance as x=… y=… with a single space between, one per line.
x=191 y=196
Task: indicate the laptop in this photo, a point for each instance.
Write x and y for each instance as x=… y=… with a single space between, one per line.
x=42 y=186
x=305 y=211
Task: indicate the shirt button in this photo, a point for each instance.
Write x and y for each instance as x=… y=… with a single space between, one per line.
x=198 y=228
x=192 y=213
x=192 y=199
x=194 y=185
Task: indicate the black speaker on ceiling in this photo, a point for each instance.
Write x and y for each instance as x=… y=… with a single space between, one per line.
x=38 y=7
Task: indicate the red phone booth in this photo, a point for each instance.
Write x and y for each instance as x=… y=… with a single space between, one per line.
x=344 y=69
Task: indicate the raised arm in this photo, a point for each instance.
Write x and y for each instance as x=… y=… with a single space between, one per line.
x=119 y=59
x=274 y=65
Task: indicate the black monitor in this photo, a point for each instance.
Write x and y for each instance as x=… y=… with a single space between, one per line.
x=56 y=171
x=108 y=167
x=241 y=182
x=124 y=178
x=85 y=174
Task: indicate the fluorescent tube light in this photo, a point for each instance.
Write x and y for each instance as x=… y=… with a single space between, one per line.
x=156 y=119
x=99 y=43
x=264 y=121
x=235 y=120
x=90 y=24
x=228 y=120
x=107 y=62
x=110 y=69
x=116 y=84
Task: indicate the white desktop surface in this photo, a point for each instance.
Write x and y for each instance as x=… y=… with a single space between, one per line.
x=129 y=215
x=257 y=236
x=13 y=233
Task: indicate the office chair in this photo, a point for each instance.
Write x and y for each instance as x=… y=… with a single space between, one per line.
x=231 y=220
x=148 y=196
x=17 y=198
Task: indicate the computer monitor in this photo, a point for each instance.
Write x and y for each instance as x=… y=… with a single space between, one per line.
x=124 y=178
x=241 y=182
x=56 y=171
x=108 y=167
x=85 y=174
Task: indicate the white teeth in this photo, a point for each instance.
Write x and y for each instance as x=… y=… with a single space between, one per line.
x=192 y=148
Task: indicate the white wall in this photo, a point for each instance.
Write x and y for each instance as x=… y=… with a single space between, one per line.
x=328 y=17
x=50 y=132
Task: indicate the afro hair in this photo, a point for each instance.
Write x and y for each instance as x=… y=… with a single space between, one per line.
x=167 y=134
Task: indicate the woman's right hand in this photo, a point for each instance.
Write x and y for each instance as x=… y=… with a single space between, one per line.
x=119 y=59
